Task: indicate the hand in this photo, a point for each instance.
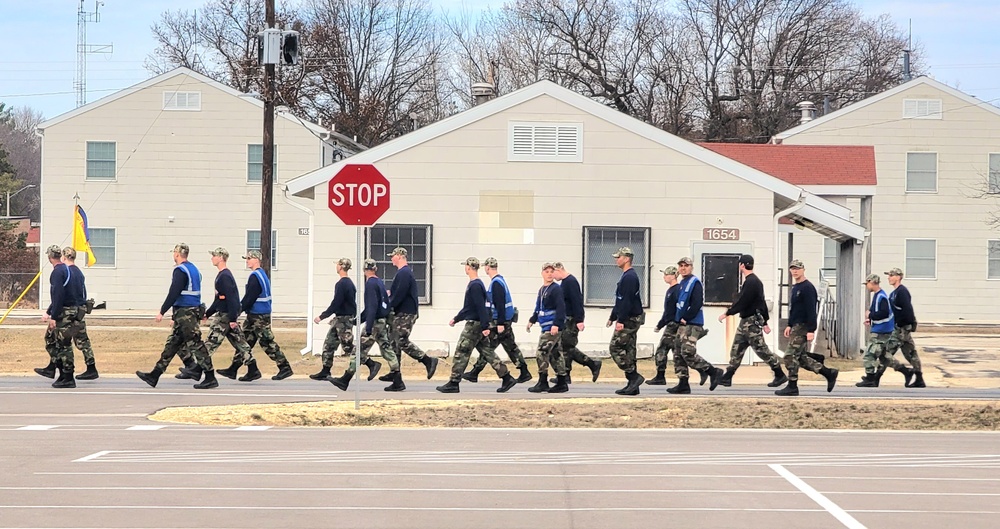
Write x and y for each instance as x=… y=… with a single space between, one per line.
x=451 y=323
x=528 y=328
x=609 y=323
x=683 y=322
x=52 y=324
x=810 y=336
x=159 y=318
x=619 y=326
x=788 y=332
x=316 y=319
x=204 y=319
x=767 y=329
x=554 y=330
x=486 y=332
x=868 y=322
x=233 y=325
x=45 y=317
x=722 y=316
x=500 y=329
x=579 y=326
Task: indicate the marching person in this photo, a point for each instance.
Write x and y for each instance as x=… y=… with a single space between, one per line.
x=882 y=324
x=569 y=333
x=501 y=331
x=344 y=309
x=690 y=328
x=184 y=301
x=257 y=326
x=403 y=313
x=475 y=334
x=81 y=339
x=64 y=317
x=550 y=312
x=906 y=323
x=626 y=316
x=668 y=325
x=801 y=329
x=752 y=309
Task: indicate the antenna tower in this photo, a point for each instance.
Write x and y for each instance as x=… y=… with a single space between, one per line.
x=82 y=49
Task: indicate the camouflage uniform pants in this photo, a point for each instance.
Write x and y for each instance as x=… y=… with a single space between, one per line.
x=219 y=330
x=548 y=353
x=380 y=335
x=902 y=340
x=82 y=342
x=622 y=347
x=341 y=334
x=569 y=337
x=400 y=327
x=257 y=328
x=59 y=339
x=686 y=351
x=877 y=353
x=472 y=338
x=667 y=342
x=185 y=339
x=797 y=354
x=507 y=341
x=750 y=333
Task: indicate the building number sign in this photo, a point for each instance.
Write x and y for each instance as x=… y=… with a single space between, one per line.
x=720 y=234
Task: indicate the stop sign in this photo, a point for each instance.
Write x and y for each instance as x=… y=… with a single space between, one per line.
x=359 y=194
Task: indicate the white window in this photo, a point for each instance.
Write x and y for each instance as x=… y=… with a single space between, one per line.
x=544 y=142
x=102 y=242
x=255 y=163
x=182 y=101
x=921 y=172
x=994 y=173
x=601 y=274
x=921 y=259
x=253 y=243
x=101 y=163
x=382 y=239
x=830 y=250
x=994 y=259
x=922 y=108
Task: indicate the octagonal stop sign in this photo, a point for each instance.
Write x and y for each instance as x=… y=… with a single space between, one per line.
x=359 y=194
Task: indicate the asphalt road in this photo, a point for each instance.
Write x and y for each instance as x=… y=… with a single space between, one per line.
x=89 y=458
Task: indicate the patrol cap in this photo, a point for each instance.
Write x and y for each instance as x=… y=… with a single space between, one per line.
x=873 y=278
x=895 y=272
x=399 y=250
x=471 y=262
x=345 y=263
x=671 y=270
x=746 y=259
x=546 y=266
x=69 y=252
x=685 y=261
x=795 y=263
x=54 y=252
x=624 y=250
x=253 y=254
x=182 y=249
x=491 y=262
x=220 y=252
x=370 y=264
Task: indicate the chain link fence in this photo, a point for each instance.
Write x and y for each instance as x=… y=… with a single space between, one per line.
x=11 y=286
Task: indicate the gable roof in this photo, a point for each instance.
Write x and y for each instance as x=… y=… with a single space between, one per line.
x=919 y=81
x=806 y=165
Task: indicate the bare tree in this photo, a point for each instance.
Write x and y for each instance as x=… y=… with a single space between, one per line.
x=21 y=159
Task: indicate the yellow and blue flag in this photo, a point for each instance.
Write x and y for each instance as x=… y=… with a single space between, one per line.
x=81 y=235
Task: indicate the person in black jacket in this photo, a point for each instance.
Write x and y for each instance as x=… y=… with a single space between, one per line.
x=501 y=306
x=344 y=309
x=569 y=336
x=668 y=325
x=627 y=316
x=63 y=316
x=906 y=323
x=403 y=313
x=801 y=329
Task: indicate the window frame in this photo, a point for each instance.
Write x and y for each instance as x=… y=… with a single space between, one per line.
x=99 y=264
x=647 y=267
x=249 y=181
x=87 y=160
x=990 y=187
x=988 y=259
x=906 y=259
x=384 y=262
x=906 y=175
x=274 y=247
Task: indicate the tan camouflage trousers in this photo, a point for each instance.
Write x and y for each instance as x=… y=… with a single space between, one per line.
x=185 y=339
x=219 y=330
x=59 y=339
x=379 y=335
x=341 y=334
x=667 y=342
x=750 y=333
x=257 y=329
x=472 y=338
x=686 y=351
x=902 y=339
x=400 y=327
x=796 y=355
x=506 y=340
x=622 y=346
x=81 y=340
x=549 y=354
x=877 y=353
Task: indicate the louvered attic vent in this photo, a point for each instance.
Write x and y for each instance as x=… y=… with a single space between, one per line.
x=545 y=142
x=182 y=101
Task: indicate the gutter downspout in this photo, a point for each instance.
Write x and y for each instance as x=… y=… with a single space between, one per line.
x=309 y=270
x=799 y=204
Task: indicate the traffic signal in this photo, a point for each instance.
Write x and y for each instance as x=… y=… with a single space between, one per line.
x=290 y=47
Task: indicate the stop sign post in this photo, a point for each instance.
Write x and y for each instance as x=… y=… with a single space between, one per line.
x=359 y=194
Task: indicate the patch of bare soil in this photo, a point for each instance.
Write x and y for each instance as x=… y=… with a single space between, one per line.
x=608 y=413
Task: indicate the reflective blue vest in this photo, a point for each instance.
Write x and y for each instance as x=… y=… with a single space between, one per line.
x=688 y=284
x=888 y=324
x=191 y=295
x=263 y=303
x=546 y=318
x=509 y=303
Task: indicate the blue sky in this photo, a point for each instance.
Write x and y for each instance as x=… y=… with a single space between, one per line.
x=961 y=42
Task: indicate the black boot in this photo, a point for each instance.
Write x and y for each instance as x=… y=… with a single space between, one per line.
x=867 y=381
x=635 y=380
x=727 y=377
x=231 y=371
x=523 y=374
x=388 y=376
x=89 y=374
x=682 y=387
x=150 y=378
x=704 y=376
x=715 y=374
x=431 y=364
x=543 y=383
x=659 y=380
x=595 y=369
x=779 y=377
x=284 y=371
x=65 y=379
x=397 y=382
x=569 y=377
x=831 y=377
x=252 y=372
x=907 y=374
x=322 y=373
x=918 y=380
x=450 y=387
x=791 y=390
x=341 y=382
x=190 y=372
x=506 y=382
x=472 y=375
x=209 y=382
x=48 y=371
x=878 y=375
x=373 y=368
x=562 y=386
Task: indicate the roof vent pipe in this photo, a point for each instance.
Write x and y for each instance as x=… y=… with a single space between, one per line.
x=808 y=111
x=482 y=92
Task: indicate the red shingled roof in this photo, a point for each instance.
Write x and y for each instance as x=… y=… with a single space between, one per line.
x=805 y=165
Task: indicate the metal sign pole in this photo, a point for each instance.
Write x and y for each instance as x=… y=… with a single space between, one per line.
x=359 y=265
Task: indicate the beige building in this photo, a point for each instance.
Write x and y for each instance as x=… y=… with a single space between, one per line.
x=176 y=158
x=937 y=153
x=545 y=174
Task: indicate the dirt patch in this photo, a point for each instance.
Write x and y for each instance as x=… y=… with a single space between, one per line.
x=608 y=413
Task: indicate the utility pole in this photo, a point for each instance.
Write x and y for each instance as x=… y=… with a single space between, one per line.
x=267 y=172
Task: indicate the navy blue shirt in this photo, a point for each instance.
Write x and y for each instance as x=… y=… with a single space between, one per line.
x=376 y=302
x=628 y=303
x=66 y=288
x=902 y=306
x=227 y=296
x=178 y=282
x=344 y=299
x=802 y=305
x=405 y=298
x=573 y=296
x=475 y=304
x=669 y=305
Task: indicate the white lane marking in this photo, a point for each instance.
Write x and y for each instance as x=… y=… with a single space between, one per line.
x=73 y=414
x=251 y=428
x=422 y=489
x=821 y=500
x=38 y=427
x=472 y=509
x=93 y=456
x=147 y=427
